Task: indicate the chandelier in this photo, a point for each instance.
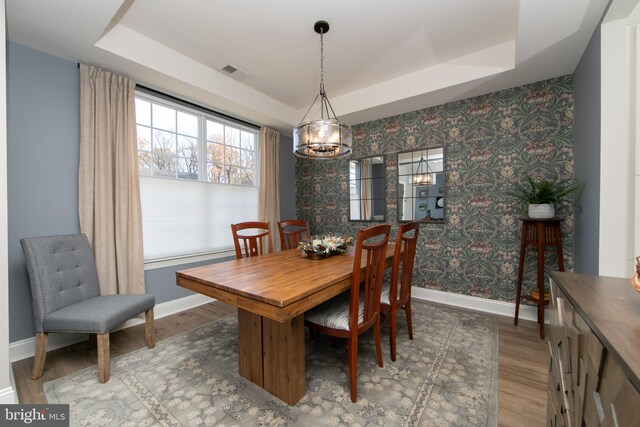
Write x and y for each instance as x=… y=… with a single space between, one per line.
x=422 y=178
x=325 y=138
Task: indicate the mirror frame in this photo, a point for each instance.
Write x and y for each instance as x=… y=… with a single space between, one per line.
x=399 y=198
x=384 y=187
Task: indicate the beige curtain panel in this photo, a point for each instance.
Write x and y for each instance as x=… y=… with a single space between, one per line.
x=269 y=193
x=109 y=187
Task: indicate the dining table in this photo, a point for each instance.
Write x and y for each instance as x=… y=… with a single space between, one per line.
x=272 y=292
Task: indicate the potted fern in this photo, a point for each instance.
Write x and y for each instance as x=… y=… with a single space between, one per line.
x=543 y=196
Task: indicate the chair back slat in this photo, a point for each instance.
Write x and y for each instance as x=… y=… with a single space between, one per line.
x=403 y=261
x=254 y=240
x=292 y=232
x=371 y=244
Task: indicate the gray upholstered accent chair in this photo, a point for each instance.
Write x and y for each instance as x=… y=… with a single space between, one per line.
x=66 y=297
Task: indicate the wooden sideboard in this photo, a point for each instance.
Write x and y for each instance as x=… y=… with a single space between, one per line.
x=594 y=346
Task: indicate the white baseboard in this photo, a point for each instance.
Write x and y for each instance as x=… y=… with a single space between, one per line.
x=26 y=348
x=12 y=380
x=8 y=396
x=500 y=308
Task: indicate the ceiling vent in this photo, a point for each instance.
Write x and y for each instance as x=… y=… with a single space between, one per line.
x=233 y=71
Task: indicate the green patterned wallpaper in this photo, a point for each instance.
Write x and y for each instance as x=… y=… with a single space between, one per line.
x=491 y=142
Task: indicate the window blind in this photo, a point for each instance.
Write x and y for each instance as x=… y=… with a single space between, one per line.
x=182 y=217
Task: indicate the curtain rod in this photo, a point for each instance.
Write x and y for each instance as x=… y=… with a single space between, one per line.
x=195 y=106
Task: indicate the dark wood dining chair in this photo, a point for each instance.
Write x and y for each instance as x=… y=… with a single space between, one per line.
x=351 y=313
x=251 y=238
x=293 y=231
x=396 y=292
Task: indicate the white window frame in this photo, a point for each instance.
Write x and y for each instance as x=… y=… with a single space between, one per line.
x=181 y=259
x=202 y=137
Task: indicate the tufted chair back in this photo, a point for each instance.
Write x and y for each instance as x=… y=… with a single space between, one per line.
x=62 y=272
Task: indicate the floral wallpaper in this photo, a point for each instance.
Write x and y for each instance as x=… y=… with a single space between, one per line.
x=491 y=143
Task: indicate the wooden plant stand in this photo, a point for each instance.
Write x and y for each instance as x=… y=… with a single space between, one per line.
x=538 y=233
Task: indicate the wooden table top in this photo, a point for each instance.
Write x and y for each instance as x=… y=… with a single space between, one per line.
x=278 y=279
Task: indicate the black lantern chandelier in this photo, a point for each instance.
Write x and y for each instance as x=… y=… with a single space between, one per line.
x=420 y=177
x=325 y=138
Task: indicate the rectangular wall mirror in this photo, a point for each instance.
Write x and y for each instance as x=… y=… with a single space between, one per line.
x=421 y=189
x=367 y=189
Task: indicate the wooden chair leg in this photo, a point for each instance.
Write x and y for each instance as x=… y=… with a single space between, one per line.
x=407 y=309
x=392 y=334
x=376 y=334
x=42 y=338
x=352 y=347
x=148 y=325
x=523 y=240
x=103 y=357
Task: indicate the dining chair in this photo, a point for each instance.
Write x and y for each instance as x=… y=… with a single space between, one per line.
x=396 y=292
x=351 y=313
x=66 y=297
x=254 y=240
x=292 y=232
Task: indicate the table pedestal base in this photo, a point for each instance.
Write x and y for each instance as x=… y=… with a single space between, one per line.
x=271 y=354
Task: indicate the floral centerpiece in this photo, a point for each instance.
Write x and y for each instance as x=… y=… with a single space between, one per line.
x=325 y=246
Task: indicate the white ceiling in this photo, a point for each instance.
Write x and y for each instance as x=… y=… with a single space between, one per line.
x=381 y=58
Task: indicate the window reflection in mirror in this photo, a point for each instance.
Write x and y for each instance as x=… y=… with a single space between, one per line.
x=421 y=189
x=367 y=189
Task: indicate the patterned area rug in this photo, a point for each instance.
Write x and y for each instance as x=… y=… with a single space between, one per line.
x=446 y=376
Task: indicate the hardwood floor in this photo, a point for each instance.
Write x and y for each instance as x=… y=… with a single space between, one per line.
x=522 y=365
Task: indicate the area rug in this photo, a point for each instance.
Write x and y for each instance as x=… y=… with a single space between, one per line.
x=446 y=376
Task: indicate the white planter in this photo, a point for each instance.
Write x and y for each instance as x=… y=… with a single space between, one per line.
x=542 y=211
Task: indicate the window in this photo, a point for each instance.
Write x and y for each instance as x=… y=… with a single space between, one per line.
x=353 y=177
x=198 y=175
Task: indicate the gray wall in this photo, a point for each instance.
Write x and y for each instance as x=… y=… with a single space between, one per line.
x=287 y=178
x=43 y=150
x=586 y=145
x=42 y=163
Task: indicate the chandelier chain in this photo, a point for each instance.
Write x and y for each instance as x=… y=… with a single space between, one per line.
x=321 y=62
